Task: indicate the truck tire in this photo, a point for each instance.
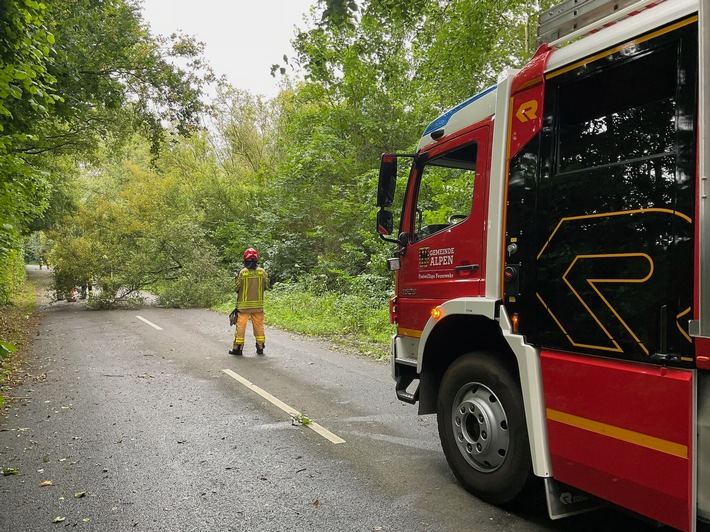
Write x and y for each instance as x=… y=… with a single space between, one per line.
x=482 y=428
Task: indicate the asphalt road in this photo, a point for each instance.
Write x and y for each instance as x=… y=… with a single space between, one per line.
x=140 y=420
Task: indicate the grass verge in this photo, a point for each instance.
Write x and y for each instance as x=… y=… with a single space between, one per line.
x=18 y=323
x=351 y=321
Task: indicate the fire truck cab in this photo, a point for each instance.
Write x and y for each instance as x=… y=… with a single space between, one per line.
x=552 y=267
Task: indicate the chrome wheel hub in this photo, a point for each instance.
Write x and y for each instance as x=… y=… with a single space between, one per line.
x=480 y=427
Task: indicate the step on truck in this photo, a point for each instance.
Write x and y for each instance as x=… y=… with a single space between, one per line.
x=552 y=267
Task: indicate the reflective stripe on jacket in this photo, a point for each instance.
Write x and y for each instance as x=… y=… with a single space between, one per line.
x=250 y=286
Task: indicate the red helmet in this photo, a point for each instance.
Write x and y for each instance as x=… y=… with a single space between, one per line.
x=251 y=254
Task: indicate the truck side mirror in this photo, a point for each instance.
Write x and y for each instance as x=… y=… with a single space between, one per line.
x=387 y=183
x=385 y=222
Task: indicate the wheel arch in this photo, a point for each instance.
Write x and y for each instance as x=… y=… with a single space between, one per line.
x=483 y=325
x=465 y=325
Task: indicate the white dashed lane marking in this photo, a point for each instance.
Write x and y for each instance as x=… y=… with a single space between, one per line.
x=149 y=323
x=283 y=406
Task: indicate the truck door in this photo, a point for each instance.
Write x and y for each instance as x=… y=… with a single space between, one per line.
x=615 y=210
x=611 y=287
x=443 y=219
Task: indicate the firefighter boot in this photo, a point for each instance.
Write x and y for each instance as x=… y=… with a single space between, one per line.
x=260 y=349
x=236 y=350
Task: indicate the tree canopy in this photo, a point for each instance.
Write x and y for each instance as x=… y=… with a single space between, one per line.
x=74 y=74
x=139 y=183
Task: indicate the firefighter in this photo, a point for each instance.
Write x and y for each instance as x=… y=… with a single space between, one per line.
x=250 y=284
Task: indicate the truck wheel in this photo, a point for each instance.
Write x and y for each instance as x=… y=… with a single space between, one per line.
x=482 y=428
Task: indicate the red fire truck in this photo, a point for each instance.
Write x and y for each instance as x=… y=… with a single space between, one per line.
x=552 y=267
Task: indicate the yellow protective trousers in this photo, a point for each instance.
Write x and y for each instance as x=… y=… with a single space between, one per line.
x=257 y=324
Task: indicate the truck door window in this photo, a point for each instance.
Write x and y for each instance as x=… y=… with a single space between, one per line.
x=445 y=194
x=632 y=124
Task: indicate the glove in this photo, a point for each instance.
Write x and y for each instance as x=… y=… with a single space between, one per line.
x=233 y=317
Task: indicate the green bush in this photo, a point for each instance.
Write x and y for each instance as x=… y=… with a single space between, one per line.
x=12 y=275
x=360 y=317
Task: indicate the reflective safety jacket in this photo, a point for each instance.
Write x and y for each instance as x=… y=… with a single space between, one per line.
x=250 y=286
